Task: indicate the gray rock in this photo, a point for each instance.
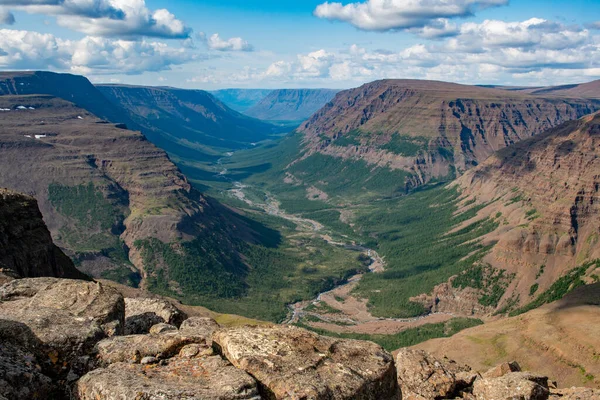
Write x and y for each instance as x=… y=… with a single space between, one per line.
x=59 y=320
x=133 y=348
x=293 y=363
x=161 y=328
x=21 y=376
x=149 y=360
x=206 y=378
x=423 y=376
x=511 y=386
x=143 y=313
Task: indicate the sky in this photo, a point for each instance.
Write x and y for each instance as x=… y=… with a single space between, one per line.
x=216 y=44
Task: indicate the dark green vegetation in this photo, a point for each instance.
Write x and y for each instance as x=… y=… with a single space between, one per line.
x=260 y=284
x=418 y=246
x=412 y=232
x=492 y=283
x=408 y=337
x=560 y=288
x=89 y=211
x=406 y=145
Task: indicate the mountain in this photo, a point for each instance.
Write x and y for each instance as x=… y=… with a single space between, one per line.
x=74 y=88
x=559 y=340
x=116 y=203
x=240 y=99
x=542 y=193
x=431 y=129
x=587 y=90
x=291 y=104
x=26 y=247
x=188 y=119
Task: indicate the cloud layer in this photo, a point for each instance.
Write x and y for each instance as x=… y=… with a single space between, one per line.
x=90 y=55
x=6 y=17
x=531 y=51
x=108 y=18
x=415 y=15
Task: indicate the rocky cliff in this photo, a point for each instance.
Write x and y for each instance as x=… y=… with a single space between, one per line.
x=429 y=129
x=291 y=104
x=70 y=345
x=26 y=247
x=543 y=194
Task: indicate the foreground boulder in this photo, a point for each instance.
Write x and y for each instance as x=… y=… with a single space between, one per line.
x=168 y=363
x=164 y=341
x=292 y=363
x=514 y=385
x=59 y=320
x=21 y=376
x=422 y=376
x=143 y=313
x=183 y=377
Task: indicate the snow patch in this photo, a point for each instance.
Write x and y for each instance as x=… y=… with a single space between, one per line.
x=40 y=136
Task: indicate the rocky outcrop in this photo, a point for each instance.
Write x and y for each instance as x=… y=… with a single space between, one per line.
x=514 y=385
x=61 y=339
x=197 y=377
x=291 y=363
x=143 y=313
x=49 y=327
x=26 y=247
x=422 y=376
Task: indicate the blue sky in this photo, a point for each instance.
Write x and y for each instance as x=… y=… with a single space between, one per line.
x=250 y=43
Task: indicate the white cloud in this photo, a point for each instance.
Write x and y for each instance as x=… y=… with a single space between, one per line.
x=529 y=52
x=90 y=55
x=6 y=17
x=386 y=15
x=109 y=18
x=214 y=42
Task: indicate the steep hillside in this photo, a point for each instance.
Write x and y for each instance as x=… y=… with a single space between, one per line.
x=116 y=203
x=543 y=193
x=240 y=99
x=430 y=129
x=191 y=118
x=26 y=247
x=560 y=340
x=291 y=104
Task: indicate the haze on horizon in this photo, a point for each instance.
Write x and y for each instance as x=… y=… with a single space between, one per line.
x=272 y=44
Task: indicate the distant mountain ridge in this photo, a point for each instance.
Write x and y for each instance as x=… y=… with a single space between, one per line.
x=192 y=116
x=240 y=99
x=291 y=104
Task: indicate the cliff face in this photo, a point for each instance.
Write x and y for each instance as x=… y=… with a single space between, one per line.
x=543 y=193
x=428 y=128
x=26 y=247
x=291 y=104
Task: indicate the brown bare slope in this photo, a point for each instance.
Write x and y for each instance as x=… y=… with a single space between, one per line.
x=113 y=200
x=26 y=247
x=560 y=340
x=429 y=128
x=544 y=194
